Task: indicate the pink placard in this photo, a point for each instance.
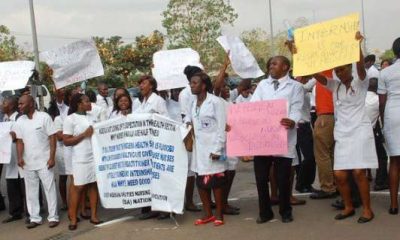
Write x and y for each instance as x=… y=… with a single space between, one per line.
x=256 y=129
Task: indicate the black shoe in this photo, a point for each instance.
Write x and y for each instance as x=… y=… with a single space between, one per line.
x=342 y=216
x=149 y=215
x=381 y=187
x=96 y=223
x=308 y=189
x=393 y=211
x=12 y=219
x=261 y=220
x=287 y=219
x=322 y=195
x=365 y=220
x=338 y=204
x=32 y=225
x=231 y=211
x=72 y=227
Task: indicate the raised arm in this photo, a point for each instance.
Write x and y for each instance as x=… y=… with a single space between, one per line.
x=321 y=79
x=362 y=74
x=220 y=80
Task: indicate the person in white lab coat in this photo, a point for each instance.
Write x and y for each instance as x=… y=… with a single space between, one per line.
x=354 y=141
x=278 y=86
x=77 y=132
x=151 y=102
x=208 y=119
x=389 y=104
x=36 y=148
x=103 y=100
x=14 y=174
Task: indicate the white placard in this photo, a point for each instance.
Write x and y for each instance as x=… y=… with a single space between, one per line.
x=74 y=63
x=5 y=142
x=169 y=65
x=242 y=60
x=140 y=161
x=15 y=74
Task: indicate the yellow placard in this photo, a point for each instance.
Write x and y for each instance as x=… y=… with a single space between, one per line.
x=326 y=45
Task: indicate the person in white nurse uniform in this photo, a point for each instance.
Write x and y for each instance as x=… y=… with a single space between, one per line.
x=36 y=149
x=14 y=175
x=354 y=140
x=389 y=104
x=77 y=132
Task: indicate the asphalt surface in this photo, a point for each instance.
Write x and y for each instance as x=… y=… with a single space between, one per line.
x=315 y=220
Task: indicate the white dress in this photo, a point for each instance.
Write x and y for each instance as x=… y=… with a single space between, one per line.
x=389 y=83
x=83 y=164
x=209 y=121
x=64 y=165
x=354 y=138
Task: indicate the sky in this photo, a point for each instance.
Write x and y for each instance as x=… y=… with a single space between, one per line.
x=63 y=21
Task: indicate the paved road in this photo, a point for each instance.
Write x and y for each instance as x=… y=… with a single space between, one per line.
x=312 y=221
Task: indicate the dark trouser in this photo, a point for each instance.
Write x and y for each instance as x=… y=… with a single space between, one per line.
x=381 y=173
x=16 y=196
x=307 y=167
x=282 y=167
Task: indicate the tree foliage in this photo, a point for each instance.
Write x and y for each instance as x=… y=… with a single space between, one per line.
x=9 y=49
x=124 y=62
x=197 y=24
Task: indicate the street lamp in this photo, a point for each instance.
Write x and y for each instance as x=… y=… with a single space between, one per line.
x=363 y=27
x=271 y=29
x=38 y=89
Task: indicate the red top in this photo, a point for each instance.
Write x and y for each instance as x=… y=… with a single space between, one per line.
x=323 y=97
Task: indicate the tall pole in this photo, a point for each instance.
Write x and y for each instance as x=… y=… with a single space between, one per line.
x=271 y=29
x=36 y=53
x=363 y=26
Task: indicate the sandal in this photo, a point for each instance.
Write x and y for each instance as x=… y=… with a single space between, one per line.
x=218 y=222
x=72 y=227
x=204 y=221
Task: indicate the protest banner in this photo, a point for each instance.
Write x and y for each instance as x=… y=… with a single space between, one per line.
x=15 y=74
x=326 y=45
x=6 y=142
x=256 y=129
x=74 y=63
x=140 y=161
x=242 y=60
x=169 y=65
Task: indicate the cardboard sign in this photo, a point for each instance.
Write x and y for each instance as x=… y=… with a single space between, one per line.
x=169 y=65
x=15 y=75
x=326 y=45
x=242 y=60
x=256 y=129
x=74 y=63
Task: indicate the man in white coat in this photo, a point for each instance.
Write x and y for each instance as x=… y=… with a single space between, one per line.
x=103 y=100
x=36 y=149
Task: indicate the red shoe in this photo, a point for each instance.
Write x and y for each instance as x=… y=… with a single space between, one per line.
x=204 y=221
x=218 y=222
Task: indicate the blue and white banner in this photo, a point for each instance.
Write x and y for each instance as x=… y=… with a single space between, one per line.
x=141 y=161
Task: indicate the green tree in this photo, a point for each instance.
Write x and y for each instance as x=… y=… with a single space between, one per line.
x=388 y=54
x=9 y=49
x=197 y=24
x=124 y=62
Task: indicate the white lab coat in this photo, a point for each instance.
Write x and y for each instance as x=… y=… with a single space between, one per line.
x=209 y=121
x=293 y=92
x=389 y=83
x=354 y=138
x=154 y=104
x=12 y=170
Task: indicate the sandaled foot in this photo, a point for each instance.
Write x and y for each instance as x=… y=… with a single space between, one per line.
x=205 y=220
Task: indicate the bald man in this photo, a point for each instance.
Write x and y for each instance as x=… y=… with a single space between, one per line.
x=36 y=147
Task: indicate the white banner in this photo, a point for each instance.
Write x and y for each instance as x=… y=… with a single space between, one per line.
x=74 y=63
x=15 y=75
x=140 y=161
x=5 y=142
x=169 y=65
x=242 y=60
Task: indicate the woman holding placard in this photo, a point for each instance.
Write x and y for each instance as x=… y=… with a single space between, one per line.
x=354 y=140
x=209 y=120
